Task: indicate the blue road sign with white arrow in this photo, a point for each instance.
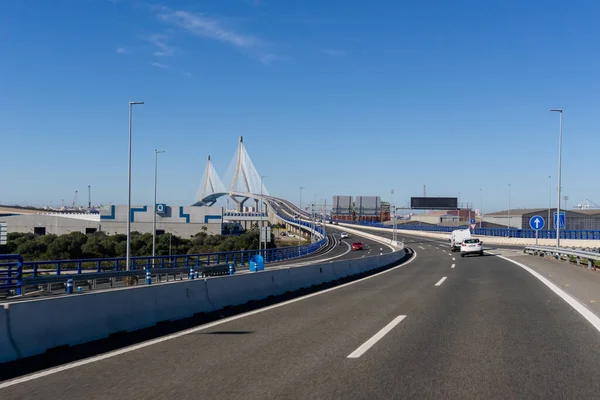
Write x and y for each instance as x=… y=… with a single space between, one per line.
x=536 y=222
x=562 y=219
x=473 y=220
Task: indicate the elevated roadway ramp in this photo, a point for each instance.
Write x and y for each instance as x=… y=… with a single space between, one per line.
x=434 y=327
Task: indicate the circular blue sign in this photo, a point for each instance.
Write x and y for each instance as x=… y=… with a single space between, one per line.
x=537 y=222
x=473 y=220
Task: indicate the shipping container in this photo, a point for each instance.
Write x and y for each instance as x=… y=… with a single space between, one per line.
x=367 y=205
x=342 y=204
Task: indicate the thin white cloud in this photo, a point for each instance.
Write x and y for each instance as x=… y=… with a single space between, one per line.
x=334 y=52
x=160 y=41
x=268 y=58
x=122 y=50
x=204 y=26
x=159 y=65
x=187 y=74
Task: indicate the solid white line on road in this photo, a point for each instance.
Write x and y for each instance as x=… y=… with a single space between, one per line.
x=441 y=281
x=580 y=308
x=453 y=265
x=375 y=338
x=138 y=346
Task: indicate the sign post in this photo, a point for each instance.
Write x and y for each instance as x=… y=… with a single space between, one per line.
x=473 y=224
x=562 y=219
x=536 y=223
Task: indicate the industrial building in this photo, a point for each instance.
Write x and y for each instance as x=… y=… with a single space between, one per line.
x=184 y=221
x=362 y=208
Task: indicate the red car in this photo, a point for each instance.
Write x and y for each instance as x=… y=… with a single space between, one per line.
x=357 y=246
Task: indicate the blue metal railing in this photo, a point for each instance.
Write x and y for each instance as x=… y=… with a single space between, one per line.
x=501 y=232
x=13 y=269
x=11 y=272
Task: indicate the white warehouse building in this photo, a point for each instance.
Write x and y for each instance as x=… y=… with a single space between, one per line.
x=184 y=221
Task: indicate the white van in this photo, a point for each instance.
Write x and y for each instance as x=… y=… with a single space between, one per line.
x=457 y=237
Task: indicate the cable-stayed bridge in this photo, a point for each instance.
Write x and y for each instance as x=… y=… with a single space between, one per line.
x=243 y=181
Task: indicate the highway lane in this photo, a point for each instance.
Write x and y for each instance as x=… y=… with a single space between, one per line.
x=408 y=238
x=338 y=252
x=489 y=330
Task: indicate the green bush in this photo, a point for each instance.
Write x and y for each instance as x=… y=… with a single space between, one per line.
x=77 y=245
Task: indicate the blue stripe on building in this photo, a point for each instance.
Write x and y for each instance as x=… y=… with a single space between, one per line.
x=112 y=213
x=134 y=210
x=182 y=215
x=209 y=217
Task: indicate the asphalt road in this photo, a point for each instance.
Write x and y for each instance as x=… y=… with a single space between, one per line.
x=489 y=330
x=407 y=238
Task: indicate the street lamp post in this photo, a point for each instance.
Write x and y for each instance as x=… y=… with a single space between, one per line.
x=481 y=209
x=458 y=211
x=260 y=227
x=509 y=210
x=314 y=215
x=549 y=199
x=300 y=215
x=156 y=153
x=128 y=257
x=393 y=216
x=560 y=111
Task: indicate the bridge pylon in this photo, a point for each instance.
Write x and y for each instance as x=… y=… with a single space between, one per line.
x=211 y=185
x=246 y=178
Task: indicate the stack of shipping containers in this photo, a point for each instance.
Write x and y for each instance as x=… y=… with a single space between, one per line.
x=367 y=208
x=342 y=208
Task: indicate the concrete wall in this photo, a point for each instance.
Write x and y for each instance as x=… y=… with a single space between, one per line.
x=32 y=327
x=502 y=220
x=180 y=220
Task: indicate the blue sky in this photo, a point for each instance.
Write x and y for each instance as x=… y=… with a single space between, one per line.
x=344 y=98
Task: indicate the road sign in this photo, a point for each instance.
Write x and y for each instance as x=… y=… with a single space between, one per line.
x=473 y=221
x=3 y=233
x=161 y=209
x=536 y=222
x=562 y=220
x=473 y=226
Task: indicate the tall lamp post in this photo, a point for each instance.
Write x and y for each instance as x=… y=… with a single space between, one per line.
x=393 y=216
x=260 y=227
x=560 y=111
x=128 y=257
x=300 y=216
x=156 y=153
x=481 y=209
x=509 y=210
x=549 y=199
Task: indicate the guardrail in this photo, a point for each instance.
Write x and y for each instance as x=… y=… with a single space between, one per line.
x=501 y=232
x=244 y=214
x=16 y=274
x=570 y=254
x=12 y=273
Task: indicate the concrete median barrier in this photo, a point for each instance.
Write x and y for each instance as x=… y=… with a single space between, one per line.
x=310 y=275
x=32 y=327
x=39 y=325
x=7 y=348
x=239 y=289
